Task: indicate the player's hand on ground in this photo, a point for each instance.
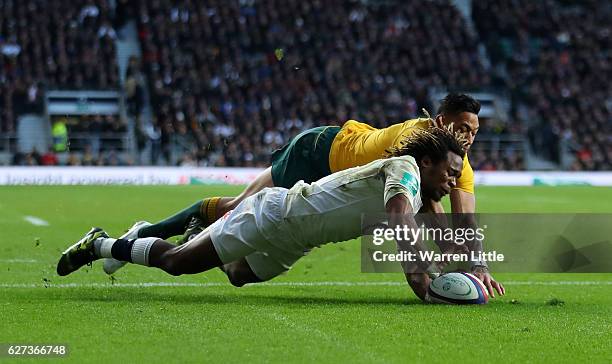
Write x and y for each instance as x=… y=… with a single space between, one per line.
x=490 y=283
x=419 y=282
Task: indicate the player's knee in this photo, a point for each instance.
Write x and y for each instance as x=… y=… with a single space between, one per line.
x=235 y=278
x=237 y=282
x=239 y=275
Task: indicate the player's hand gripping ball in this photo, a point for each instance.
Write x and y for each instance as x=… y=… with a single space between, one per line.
x=457 y=288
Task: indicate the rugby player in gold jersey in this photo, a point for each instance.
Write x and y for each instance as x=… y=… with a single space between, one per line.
x=321 y=151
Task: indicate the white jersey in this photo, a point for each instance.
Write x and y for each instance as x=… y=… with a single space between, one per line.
x=275 y=227
x=330 y=209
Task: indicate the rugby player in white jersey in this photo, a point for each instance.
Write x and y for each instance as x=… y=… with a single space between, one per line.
x=269 y=231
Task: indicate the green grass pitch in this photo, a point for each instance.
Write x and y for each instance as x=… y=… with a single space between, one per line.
x=322 y=310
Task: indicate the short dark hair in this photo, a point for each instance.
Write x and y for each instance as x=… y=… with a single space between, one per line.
x=433 y=142
x=454 y=104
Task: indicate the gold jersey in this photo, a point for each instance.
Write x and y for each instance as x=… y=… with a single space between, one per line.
x=358 y=144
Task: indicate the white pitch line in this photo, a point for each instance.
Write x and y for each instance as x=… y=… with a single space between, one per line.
x=277 y=284
x=37 y=221
x=18 y=261
x=558 y=283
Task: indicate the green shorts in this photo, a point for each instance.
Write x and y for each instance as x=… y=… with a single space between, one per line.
x=305 y=157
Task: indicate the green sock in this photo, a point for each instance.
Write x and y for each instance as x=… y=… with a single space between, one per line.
x=176 y=224
x=173 y=225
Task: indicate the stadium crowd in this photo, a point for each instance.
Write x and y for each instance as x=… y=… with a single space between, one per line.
x=107 y=157
x=233 y=80
x=242 y=77
x=53 y=44
x=555 y=60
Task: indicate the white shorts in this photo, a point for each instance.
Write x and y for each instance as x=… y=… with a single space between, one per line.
x=240 y=234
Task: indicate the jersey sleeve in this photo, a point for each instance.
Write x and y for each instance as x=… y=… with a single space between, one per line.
x=402 y=177
x=466 y=181
x=358 y=144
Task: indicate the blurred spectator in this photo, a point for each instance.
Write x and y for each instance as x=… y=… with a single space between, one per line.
x=73 y=160
x=134 y=87
x=18 y=159
x=49 y=158
x=188 y=160
x=31 y=160
x=60 y=135
x=88 y=158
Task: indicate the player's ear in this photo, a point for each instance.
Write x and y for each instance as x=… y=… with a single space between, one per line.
x=439 y=121
x=426 y=162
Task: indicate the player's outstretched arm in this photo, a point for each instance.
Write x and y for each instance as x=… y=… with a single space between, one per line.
x=401 y=214
x=464 y=204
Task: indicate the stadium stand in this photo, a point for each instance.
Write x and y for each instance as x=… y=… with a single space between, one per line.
x=53 y=44
x=49 y=45
x=254 y=74
x=557 y=67
x=227 y=82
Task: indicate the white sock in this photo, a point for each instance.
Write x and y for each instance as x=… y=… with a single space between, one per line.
x=141 y=249
x=103 y=247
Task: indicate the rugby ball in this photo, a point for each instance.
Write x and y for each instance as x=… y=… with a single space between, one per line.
x=457 y=288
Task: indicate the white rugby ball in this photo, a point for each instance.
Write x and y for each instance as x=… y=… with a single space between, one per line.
x=457 y=288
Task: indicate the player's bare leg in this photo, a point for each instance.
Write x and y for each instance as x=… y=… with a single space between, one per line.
x=239 y=273
x=197 y=256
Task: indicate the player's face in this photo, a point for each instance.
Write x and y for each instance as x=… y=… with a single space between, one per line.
x=465 y=123
x=438 y=179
